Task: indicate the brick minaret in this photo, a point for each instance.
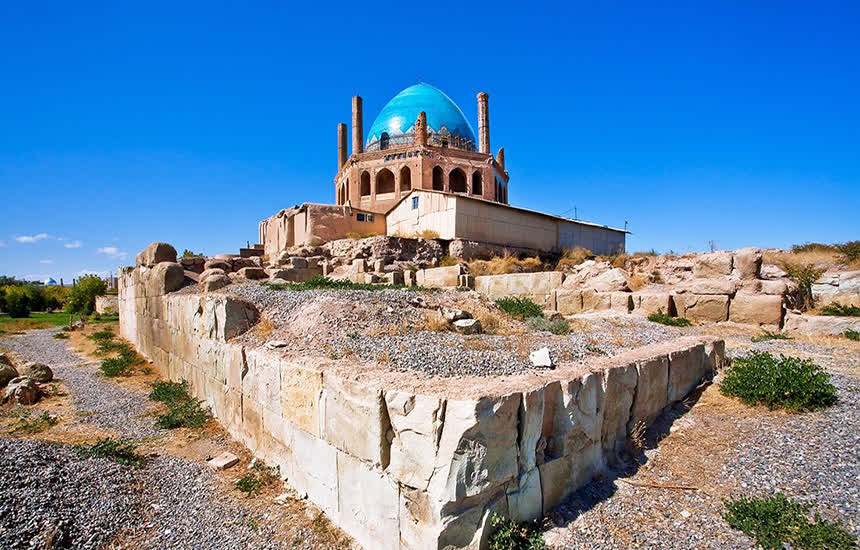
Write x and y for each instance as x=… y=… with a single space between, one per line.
x=483 y=123
x=357 y=129
x=341 y=145
x=420 y=137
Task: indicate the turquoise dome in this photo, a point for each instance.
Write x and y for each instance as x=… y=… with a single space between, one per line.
x=398 y=117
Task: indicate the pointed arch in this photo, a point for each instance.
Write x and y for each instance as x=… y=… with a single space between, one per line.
x=438 y=178
x=457 y=181
x=477 y=184
x=405 y=179
x=384 y=182
x=365 y=184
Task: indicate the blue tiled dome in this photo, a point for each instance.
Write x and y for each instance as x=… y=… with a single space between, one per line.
x=399 y=115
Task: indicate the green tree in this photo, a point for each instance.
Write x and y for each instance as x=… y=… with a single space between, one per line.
x=35 y=297
x=82 y=296
x=16 y=301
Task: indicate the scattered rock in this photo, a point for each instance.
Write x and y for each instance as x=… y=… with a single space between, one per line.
x=253 y=273
x=7 y=373
x=224 y=265
x=276 y=344
x=223 y=461
x=453 y=314
x=37 y=371
x=615 y=279
x=22 y=391
x=552 y=315
x=214 y=283
x=541 y=359
x=468 y=326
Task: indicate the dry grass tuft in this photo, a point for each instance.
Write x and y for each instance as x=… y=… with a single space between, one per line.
x=501 y=265
x=264 y=328
x=427 y=234
x=572 y=257
x=356 y=236
x=638 y=282
x=490 y=322
x=434 y=322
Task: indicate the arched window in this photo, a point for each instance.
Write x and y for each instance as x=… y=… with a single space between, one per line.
x=384 y=182
x=457 y=181
x=365 y=184
x=438 y=179
x=477 y=189
x=383 y=140
x=405 y=179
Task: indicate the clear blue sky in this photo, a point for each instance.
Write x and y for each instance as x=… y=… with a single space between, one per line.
x=123 y=123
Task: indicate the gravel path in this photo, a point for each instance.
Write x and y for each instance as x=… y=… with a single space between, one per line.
x=99 y=401
x=810 y=457
x=90 y=502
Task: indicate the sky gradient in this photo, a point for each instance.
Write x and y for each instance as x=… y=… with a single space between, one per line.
x=691 y=121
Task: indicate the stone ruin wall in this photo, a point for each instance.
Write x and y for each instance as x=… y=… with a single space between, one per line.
x=394 y=469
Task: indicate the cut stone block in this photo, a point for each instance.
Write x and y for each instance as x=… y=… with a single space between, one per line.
x=652 y=388
x=223 y=461
x=702 y=307
x=756 y=309
x=356 y=420
x=368 y=504
x=686 y=370
x=417 y=423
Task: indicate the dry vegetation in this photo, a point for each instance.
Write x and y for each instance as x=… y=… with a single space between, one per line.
x=501 y=265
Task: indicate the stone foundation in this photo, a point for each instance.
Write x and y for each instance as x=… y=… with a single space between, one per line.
x=398 y=461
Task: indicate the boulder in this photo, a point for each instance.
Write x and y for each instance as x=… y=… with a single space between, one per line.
x=723 y=285
x=210 y=272
x=646 y=303
x=253 y=273
x=713 y=265
x=702 y=307
x=239 y=263
x=22 y=391
x=756 y=309
x=4 y=359
x=165 y=277
x=214 y=282
x=769 y=271
x=224 y=265
x=193 y=263
x=154 y=254
x=615 y=279
x=468 y=326
x=37 y=371
x=7 y=373
x=747 y=263
x=820 y=324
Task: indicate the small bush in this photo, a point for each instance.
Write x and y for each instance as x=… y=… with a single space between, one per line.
x=666 y=319
x=102 y=335
x=571 y=257
x=812 y=247
x=27 y=424
x=840 y=310
x=777 y=522
x=16 y=302
x=448 y=261
x=850 y=251
x=356 y=236
x=61 y=336
x=852 y=335
x=258 y=477
x=784 y=382
x=118 y=450
x=509 y=535
x=500 y=265
x=767 y=335
x=183 y=411
x=115 y=366
x=189 y=254
x=543 y=324
x=427 y=234
x=521 y=308
x=804 y=275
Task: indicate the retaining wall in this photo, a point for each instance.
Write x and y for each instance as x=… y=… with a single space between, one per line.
x=394 y=467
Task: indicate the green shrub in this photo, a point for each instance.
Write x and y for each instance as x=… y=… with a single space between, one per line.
x=82 y=296
x=521 y=308
x=768 y=335
x=543 y=324
x=16 y=303
x=850 y=251
x=840 y=310
x=25 y=423
x=805 y=276
x=61 y=336
x=776 y=522
x=852 y=335
x=189 y=254
x=258 y=477
x=787 y=382
x=666 y=319
x=183 y=411
x=118 y=450
x=115 y=366
x=35 y=297
x=509 y=535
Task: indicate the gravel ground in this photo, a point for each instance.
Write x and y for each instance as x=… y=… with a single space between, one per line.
x=91 y=502
x=810 y=457
x=384 y=326
x=101 y=403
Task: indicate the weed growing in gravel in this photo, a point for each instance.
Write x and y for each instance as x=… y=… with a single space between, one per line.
x=666 y=319
x=543 y=324
x=61 y=336
x=318 y=282
x=777 y=522
x=852 y=335
x=102 y=335
x=784 y=382
x=26 y=423
x=258 y=477
x=509 y=535
x=121 y=451
x=183 y=411
x=767 y=335
x=116 y=366
x=840 y=310
x=594 y=349
x=521 y=308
